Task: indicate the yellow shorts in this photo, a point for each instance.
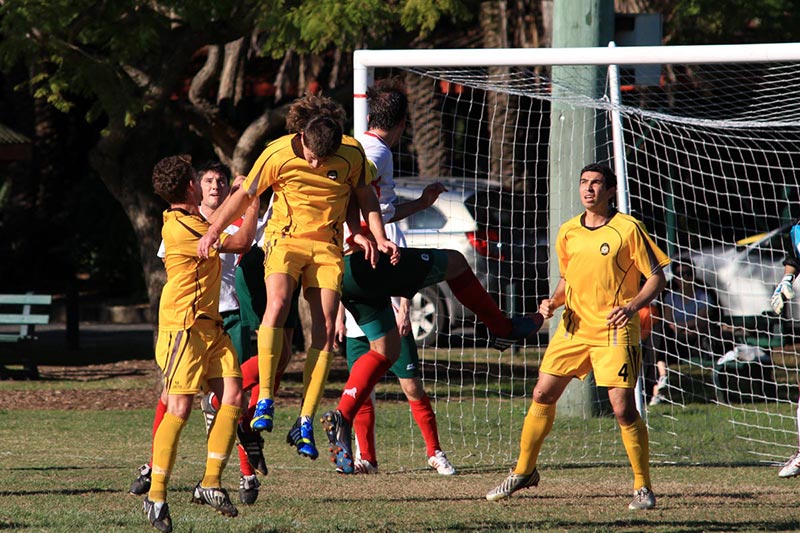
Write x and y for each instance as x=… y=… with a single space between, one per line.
x=614 y=366
x=312 y=263
x=189 y=358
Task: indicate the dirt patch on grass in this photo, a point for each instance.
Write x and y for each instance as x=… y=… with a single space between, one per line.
x=136 y=385
x=132 y=384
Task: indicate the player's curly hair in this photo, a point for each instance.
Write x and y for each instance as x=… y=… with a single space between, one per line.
x=608 y=175
x=388 y=103
x=214 y=166
x=171 y=177
x=304 y=109
x=323 y=136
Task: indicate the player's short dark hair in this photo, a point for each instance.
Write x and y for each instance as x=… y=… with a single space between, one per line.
x=171 y=177
x=304 y=109
x=608 y=175
x=323 y=136
x=215 y=166
x=388 y=103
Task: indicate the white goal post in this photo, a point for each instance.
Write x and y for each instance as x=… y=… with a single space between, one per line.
x=709 y=159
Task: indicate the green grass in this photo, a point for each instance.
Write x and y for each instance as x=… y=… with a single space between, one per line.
x=70 y=470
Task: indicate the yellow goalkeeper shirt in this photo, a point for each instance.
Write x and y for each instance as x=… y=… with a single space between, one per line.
x=192 y=288
x=309 y=203
x=603 y=269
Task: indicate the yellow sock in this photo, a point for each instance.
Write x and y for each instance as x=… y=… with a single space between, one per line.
x=220 y=443
x=538 y=423
x=165 y=449
x=637 y=445
x=270 y=344
x=315 y=375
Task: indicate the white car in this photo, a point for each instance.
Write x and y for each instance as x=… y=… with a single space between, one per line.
x=486 y=224
x=744 y=275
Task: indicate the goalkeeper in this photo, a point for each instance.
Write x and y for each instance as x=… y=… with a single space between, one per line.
x=784 y=292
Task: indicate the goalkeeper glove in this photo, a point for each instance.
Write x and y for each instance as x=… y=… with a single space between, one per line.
x=783 y=292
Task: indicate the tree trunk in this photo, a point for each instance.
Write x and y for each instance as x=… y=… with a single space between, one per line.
x=426 y=125
x=502 y=108
x=124 y=161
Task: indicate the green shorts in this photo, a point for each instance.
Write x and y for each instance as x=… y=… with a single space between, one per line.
x=367 y=291
x=406 y=366
x=240 y=334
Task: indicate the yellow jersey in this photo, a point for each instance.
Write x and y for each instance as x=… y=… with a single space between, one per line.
x=603 y=269
x=309 y=203
x=192 y=288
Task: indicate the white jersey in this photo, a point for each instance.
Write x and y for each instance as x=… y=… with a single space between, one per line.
x=381 y=156
x=227 y=291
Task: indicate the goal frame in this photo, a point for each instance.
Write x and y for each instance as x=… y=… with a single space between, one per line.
x=366 y=61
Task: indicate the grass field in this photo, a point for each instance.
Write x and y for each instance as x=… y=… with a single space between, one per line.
x=69 y=470
x=72 y=471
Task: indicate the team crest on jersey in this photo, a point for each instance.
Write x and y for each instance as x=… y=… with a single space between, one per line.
x=425 y=257
x=604 y=248
x=332 y=174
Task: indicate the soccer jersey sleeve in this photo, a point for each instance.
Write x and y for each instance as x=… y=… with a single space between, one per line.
x=645 y=253
x=264 y=172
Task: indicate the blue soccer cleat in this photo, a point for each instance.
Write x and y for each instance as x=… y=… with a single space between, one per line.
x=301 y=436
x=262 y=418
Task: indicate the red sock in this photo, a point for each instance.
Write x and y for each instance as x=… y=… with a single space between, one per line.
x=250 y=374
x=469 y=291
x=244 y=466
x=253 y=397
x=423 y=414
x=161 y=409
x=364 y=426
x=366 y=372
x=215 y=403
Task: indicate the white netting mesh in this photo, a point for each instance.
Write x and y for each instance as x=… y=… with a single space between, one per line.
x=712 y=157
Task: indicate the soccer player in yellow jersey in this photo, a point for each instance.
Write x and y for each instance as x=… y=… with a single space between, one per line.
x=602 y=256
x=312 y=171
x=192 y=349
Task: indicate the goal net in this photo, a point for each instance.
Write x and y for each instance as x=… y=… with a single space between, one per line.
x=707 y=155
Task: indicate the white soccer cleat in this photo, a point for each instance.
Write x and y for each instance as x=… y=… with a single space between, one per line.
x=643 y=499
x=362 y=466
x=791 y=467
x=441 y=464
x=512 y=484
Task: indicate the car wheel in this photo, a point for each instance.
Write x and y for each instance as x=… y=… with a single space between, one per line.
x=428 y=314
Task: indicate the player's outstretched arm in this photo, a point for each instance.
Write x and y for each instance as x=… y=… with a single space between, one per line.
x=242 y=240
x=232 y=208
x=428 y=198
x=370 y=208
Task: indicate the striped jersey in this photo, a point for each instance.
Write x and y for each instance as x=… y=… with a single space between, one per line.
x=308 y=203
x=603 y=269
x=193 y=284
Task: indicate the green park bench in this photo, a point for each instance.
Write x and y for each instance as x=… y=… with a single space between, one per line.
x=16 y=311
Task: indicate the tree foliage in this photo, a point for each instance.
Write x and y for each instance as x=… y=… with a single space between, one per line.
x=729 y=22
x=157 y=76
